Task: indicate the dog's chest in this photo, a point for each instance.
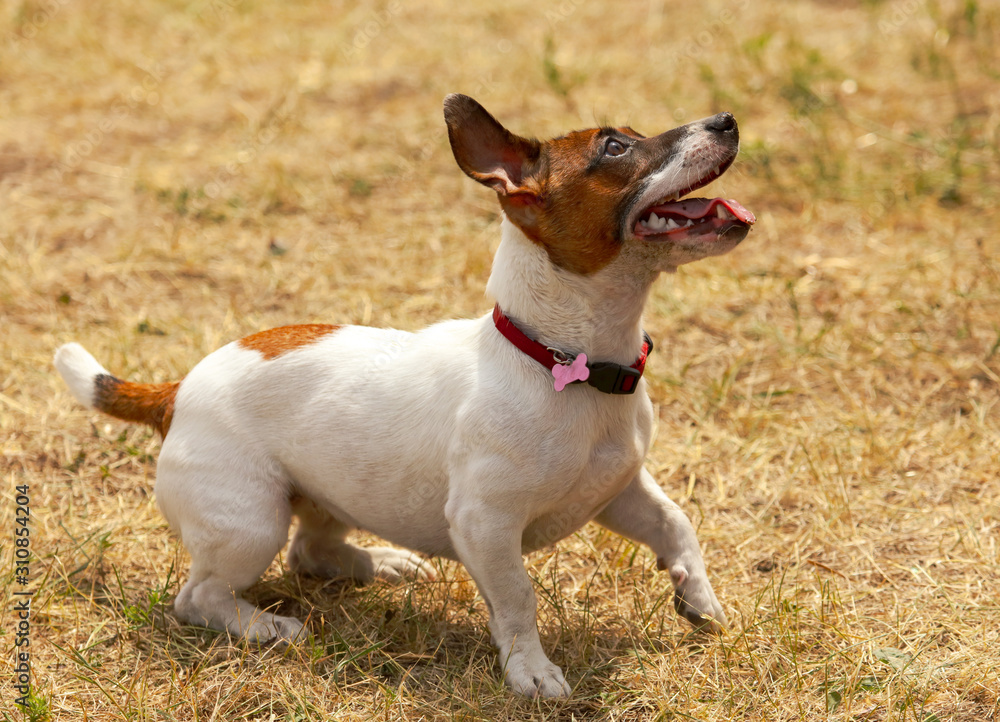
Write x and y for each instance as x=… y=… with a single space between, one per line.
x=595 y=468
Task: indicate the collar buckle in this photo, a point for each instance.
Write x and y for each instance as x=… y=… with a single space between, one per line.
x=612 y=378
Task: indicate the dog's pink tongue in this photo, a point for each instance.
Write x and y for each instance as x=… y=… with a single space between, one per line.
x=695 y=208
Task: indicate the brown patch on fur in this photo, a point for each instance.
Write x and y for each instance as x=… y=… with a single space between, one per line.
x=276 y=341
x=151 y=404
x=582 y=196
x=576 y=219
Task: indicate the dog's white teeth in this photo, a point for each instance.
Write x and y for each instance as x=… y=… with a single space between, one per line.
x=656 y=223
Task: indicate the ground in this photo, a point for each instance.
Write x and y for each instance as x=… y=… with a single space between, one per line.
x=175 y=175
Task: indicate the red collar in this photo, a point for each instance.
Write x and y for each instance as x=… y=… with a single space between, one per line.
x=606 y=376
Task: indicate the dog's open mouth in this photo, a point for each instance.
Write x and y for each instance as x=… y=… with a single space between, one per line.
x=676 y=220
x=693 y=217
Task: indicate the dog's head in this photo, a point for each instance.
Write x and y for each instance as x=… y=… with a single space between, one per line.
x=589 y=194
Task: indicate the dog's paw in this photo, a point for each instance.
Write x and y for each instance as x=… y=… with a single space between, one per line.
x=360 y=564
x=395 y=564
x=271 y=629
x=695 y=600
x=535 y=676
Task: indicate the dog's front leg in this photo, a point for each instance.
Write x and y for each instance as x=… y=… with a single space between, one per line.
x=643 y=513
x=488 y=541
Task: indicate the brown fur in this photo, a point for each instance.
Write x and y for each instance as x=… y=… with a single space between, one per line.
x=576 y=202
x=276 y=341
x=151 y=404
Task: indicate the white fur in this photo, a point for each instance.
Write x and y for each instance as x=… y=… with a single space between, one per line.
x=79 y=369
x=699 y=157
x=448 y=441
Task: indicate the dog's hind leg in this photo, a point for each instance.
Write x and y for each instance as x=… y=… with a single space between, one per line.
x=643 y=513
x=233 y=519
x=319 y=549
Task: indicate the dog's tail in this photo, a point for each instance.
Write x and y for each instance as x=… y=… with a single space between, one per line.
x=93 y=386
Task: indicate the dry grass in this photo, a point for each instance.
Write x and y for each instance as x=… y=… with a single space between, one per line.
x=174 y=175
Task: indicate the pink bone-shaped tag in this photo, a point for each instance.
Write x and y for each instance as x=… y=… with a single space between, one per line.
x=568 y=373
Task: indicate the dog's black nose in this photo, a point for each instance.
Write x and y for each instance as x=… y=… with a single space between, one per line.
x=722 y=123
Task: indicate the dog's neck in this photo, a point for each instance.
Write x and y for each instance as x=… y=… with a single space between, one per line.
x=599 y=314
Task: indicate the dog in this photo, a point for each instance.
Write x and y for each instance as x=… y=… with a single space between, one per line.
x=474 y=440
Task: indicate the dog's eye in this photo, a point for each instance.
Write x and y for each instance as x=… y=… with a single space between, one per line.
x=614 y=147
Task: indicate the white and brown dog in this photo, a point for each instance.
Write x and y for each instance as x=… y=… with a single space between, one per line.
x=476 y=440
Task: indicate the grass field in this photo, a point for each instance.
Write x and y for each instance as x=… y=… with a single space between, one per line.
x=175 y=175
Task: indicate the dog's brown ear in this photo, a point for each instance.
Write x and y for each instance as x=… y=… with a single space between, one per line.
x=487 y=151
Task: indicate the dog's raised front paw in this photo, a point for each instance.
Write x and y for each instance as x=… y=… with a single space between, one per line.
x=533 y=677
x=695 y=600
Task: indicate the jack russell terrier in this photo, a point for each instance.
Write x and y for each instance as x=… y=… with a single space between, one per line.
x=475 y=440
